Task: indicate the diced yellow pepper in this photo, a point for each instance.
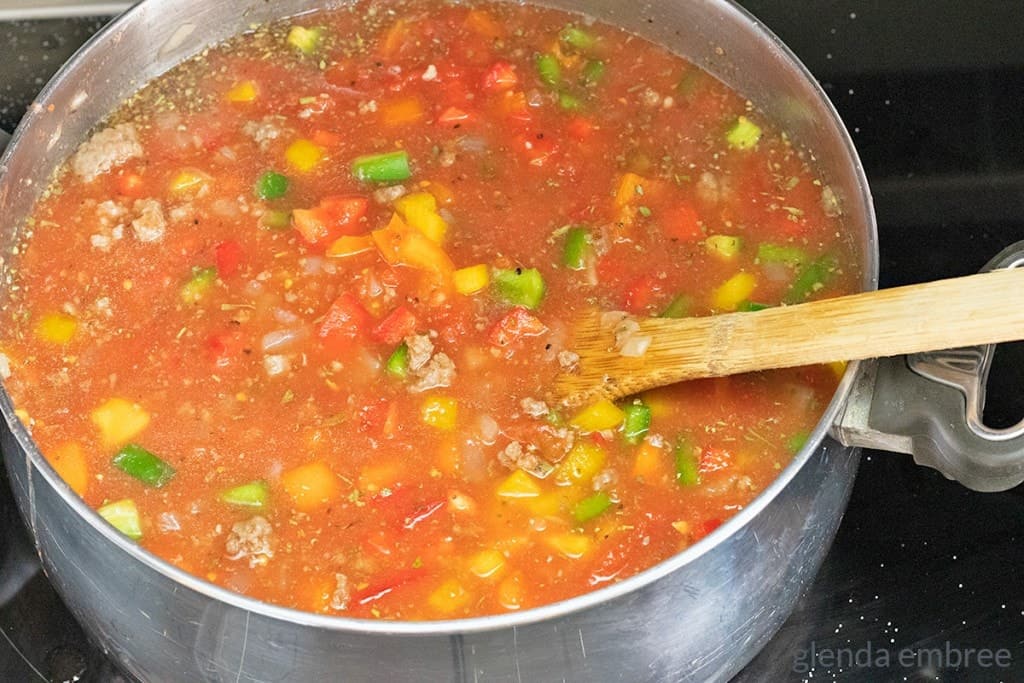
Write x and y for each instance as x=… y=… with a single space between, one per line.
x=449 y=597
x=379 y=475
x=472 y=279
x=597 y=416
x=56 y=328
x=571 y=545
x=631 y=189
x=350 y=245
x=545 y=505
x=119 y=421
x=420 y=211
x=243 y=91
x=304 y=155
x=581 y=464
x=725 y=247
x=510 y=592
x=70 y=463
x=440 y=412
x=311 y=485
x=305 y=39
x=487 y=563
x=519 y=484
x=733 y=292
x=401 y=244
x=838 y=368
x=408 y=110
x=188 y=181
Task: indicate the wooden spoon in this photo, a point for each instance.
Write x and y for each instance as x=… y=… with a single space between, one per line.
x=965 y=311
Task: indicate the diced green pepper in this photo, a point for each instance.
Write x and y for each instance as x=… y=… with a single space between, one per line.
x=687 y=464
x=743 y=134
x=780 y=253
x=252 y=495
x=305 y=39
x=398 y=362
x=271 y=185
x=549 y=70
x=573 y=36
x=198 y=284
x=569 y=102
x=577 y=248
x=276 y=220
x=724 y=246
x=589 y=508
x=679 y=308
x=389 y=167
x=811 y=278
x=593 y=72
x=751 y=306
x=137 y=462
x=519 y=286
x=636 y=423
x=797 y=441
x=123 y=516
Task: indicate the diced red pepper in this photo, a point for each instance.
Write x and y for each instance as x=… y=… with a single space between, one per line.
x=514 y=326
x=453 y=116
x=346 y=321
x=378 y=589
x=333 y=217
x=641 y=294
x=228 y=256
x=500 y=77
x=681 y=222
x=225 y=347
x=705 y=528
x=398 y=324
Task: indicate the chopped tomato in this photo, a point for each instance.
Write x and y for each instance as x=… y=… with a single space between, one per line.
x=395 y=326
x=224 y=347
x=333 y=217
x=705 y=528
x=682 y=223
x=641 y=293
x=537 y=149
x=130 y=185
x=346 y=321
x=228 y=257
x=514 y=326
x=580 y=128
x=500 y=77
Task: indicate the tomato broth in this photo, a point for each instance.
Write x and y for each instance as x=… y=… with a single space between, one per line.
x=289 y=319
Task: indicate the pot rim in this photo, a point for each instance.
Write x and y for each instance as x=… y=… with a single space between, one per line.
x=494 y=622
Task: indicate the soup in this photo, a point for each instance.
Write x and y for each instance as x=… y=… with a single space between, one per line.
x=290 y=318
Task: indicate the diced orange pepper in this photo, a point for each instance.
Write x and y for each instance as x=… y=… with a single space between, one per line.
x=70 y=463
x=311 y=485
x=381 y=475
x=650 y=462
x=483 y=24
x=394 y=38
x=350 y=245
x=442 y=193
x=400 y=244
x=631 y=189
x=402 y=112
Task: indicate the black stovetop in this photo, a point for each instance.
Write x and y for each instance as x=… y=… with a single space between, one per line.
x=922 y=570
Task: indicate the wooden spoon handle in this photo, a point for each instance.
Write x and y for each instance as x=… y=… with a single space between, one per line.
x=966 y=311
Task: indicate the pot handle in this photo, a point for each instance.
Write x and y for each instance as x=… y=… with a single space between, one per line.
x=930 y=405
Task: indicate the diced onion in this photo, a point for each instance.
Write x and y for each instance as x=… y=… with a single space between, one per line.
x=279 y=340
x=488 y=429
x=276 y=365
x=635 y=346
x=285 y=317
x=612 y=318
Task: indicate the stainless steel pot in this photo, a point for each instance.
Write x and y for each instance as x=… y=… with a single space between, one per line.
x=699 y=616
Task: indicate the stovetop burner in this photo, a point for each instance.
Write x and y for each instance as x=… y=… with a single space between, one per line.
x=923 y=574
